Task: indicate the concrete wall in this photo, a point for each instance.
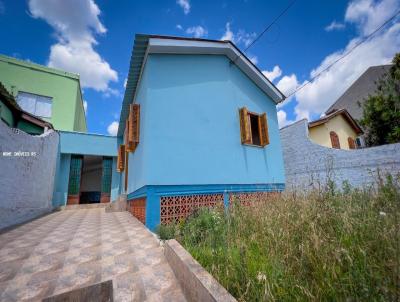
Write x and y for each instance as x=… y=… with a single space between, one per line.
x=62 y=87
x=26 y=182
x=197 y=284
x=307 y=164
x=189 y=127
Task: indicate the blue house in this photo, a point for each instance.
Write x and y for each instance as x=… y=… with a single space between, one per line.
x=198 y=127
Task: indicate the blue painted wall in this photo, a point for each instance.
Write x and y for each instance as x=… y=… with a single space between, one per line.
x=61 y=180
x=115 y=181
x=190 y=130
x=87 y=144
x=83 y=144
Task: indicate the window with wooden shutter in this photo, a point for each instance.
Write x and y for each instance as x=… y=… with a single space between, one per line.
x=133 y=131
x=253 y=128
x=352 y=144
x=121 y=158
x=245 y=126
x=126 y=137
x=263 y=128
x=334 y=140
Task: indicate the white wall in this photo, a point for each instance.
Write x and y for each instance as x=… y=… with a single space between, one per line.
x=308 y=164
x=26 y=182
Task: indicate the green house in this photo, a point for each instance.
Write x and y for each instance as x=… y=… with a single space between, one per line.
x=13 y=116
x=52 y=95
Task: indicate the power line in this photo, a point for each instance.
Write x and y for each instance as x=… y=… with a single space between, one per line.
x=345 y=55
x=266 y=29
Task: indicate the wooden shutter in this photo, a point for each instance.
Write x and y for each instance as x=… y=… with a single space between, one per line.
x=334 y=140
x=263 y=129
x=351 y=142
x=133 y=131
x=136 y=124
x=128 y=132
x=121 y=158
x=126 y=138
x=245 y=133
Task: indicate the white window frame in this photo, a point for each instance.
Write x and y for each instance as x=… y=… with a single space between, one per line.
x=37 y=99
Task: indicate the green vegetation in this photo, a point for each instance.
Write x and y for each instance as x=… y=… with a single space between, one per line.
x=326 y=246
x=381 y=111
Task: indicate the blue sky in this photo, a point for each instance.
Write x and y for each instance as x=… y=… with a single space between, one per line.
x=95 y=37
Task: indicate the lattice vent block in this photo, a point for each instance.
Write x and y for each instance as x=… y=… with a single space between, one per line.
x=176 y=208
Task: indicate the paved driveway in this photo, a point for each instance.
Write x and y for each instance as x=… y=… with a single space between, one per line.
x=75 y=248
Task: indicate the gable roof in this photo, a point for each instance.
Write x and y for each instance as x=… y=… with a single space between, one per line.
x=9 y=100
x=146 y=44
x=352 y=122
x=365 y=85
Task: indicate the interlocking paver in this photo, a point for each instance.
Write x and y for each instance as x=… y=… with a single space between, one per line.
x=76 y=248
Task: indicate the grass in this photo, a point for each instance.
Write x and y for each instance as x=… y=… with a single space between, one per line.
x=324 y=246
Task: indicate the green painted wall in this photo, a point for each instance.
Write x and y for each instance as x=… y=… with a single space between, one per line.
x=30 y=128
x=67 y=107
x=6 y=114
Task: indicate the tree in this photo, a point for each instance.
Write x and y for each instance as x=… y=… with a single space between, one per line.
x=381 y=112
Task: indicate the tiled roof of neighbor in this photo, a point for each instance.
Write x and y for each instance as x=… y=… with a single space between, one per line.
x=138 y=55
x=334 y=113
x=365 y=85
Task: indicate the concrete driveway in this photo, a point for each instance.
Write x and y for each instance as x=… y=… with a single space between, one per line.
x=75 y=248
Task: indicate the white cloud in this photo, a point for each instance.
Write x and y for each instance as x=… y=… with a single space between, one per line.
x=282 y=119
x=83 y=59
x=178 y=26
x=287 y=84
x=228 y=35
x=185 y=4
x=125 y=82
x=368 y=15
x=326 y=89
x=335 y=26
x=85 y=106
x=74 y=50
x=197 y=31
x=316 y=97
x=240 y=37
x=112 y=129
x=244 y=37
x=276 y=72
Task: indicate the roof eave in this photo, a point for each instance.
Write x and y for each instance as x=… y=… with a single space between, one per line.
x=146 y=44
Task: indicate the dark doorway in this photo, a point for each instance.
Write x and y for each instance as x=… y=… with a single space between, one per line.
x=90 y=190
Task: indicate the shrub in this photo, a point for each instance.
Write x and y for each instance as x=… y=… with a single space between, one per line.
x=167 y=231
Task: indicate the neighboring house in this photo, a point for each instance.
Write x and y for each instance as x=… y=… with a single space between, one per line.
x=50 y=94
x=336 y=130
x=14 y=117
x=356 y=94
x=198 y=127
x=84 y=170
